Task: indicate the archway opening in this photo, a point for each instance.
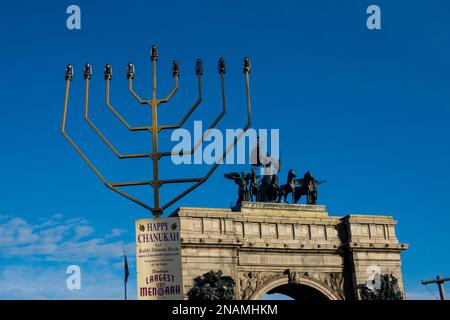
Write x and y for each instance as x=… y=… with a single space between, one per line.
x=295 y=291
x=275 y=296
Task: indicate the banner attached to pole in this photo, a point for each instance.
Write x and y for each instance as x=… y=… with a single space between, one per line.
x=158 y=259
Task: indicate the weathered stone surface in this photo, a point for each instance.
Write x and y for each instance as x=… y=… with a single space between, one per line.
x=266 y=244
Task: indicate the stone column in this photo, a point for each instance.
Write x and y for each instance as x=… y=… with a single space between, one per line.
x=371 y=246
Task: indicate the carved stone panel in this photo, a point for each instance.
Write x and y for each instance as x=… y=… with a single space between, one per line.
x=332 y=280
x=250 y=282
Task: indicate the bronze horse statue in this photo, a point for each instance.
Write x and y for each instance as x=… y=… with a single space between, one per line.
x=288 y=188
x=300 y=187
x=308 y=187
x=268 y=188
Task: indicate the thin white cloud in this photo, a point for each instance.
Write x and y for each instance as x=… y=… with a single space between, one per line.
x=116 y=233
x=83 y=231
x=59 y=240
x=49 y=282
x=35 y=257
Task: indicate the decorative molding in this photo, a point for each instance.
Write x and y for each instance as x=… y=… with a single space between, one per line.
x=250 y=282
x=283 y=206
x=334 y=281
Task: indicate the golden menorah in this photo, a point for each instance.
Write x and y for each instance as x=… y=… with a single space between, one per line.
x=156 y=183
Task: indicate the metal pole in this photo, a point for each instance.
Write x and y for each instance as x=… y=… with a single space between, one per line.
x=125 y=289
x=440 y=282
x=124 y=276
x=441 y=288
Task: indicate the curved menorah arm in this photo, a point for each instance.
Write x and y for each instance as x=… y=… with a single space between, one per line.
x=153 y=183
x=116 y=113
x=88 y=162
x=63 y=130
x=190 y=111
x=134 y=94
x=224 y=155
x=172 y=93
x=207 y=132
x=99 y=133
x=126 y=195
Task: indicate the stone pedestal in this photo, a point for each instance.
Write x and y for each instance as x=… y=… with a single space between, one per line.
x=268 y=247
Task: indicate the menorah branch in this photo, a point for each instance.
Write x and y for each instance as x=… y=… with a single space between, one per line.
x=74 y=145
x=132 y=183
x=152 y=183
x=134 y=94
x=172 y=93
x=116 y=113
x=99 y=133
x=190 y=111
x=213 y=124
x=130 y=197
x=230 y=147
x=68 y=77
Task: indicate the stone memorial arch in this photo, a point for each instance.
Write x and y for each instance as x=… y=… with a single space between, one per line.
x=293 y=249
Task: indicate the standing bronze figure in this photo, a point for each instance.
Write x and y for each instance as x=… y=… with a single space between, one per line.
x=308 y=187
x=242 y=181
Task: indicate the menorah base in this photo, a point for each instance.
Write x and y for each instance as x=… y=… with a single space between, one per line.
x=157 y=212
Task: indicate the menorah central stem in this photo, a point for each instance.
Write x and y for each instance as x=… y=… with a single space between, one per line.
x=247 y=88
x=154 y=80
x=154 y=105
x=154 y=130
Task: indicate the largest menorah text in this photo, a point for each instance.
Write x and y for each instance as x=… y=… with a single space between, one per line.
x=156 y=183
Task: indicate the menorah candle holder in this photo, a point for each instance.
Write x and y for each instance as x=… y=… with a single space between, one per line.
x=156 y=183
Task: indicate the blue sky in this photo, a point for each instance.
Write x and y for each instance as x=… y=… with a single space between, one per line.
x=366 y=110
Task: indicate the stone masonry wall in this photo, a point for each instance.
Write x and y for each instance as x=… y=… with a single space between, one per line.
x=265 y=241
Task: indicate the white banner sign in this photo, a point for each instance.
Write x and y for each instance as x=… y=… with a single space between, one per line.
x=158 y=259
